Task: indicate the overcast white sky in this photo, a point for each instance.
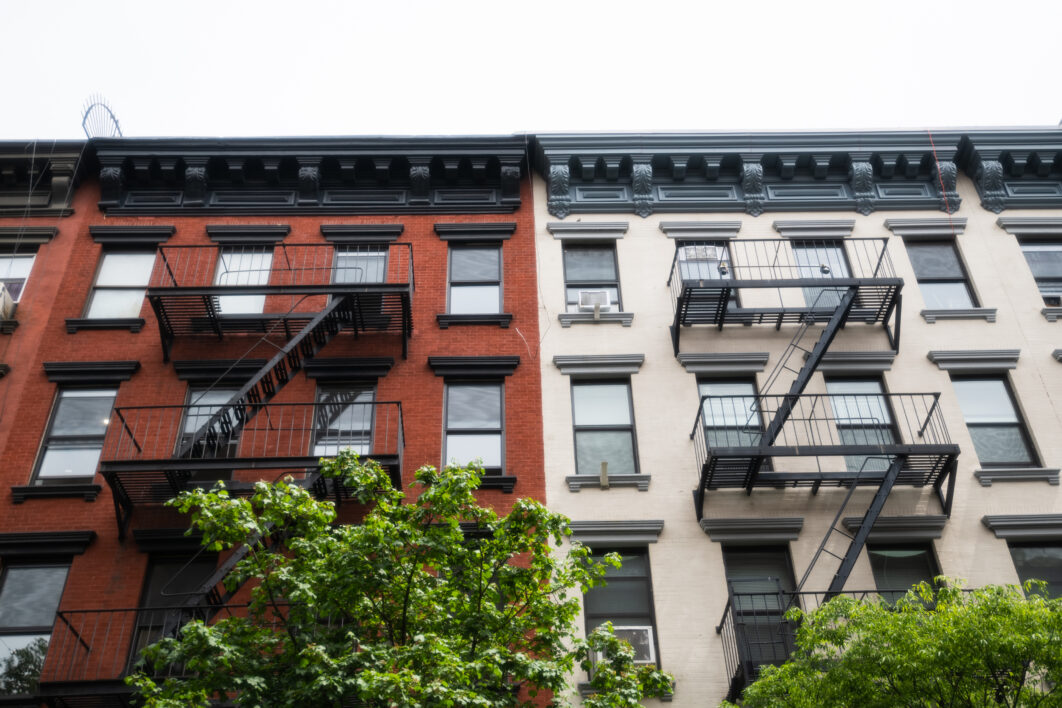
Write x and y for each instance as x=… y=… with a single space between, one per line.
x=315 y=67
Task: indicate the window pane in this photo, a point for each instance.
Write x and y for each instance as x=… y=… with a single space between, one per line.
x=475 y=299
x=115 y=303
x=934 y=260
x=82 y=412
x=858 y=403
x=946 y=296
x=203 y=404
x=470 y=406
x=634 y=564
x=171 y=582
x=361 y=266
x=618 y=597
x=1039 y=563
x=820 y=260
x=462 y=449
x=614 y=447
x=13 y=273
x=583 y=263
x=733 y=404
x=125 y=269
x=30 y=596
x=344 y=419
x=1000 y=444
x=69 y=461
x=602 y=404
x=1045 y=259
x=244 y=267
x=475 y=264
x=901 y=568
x=984 y=401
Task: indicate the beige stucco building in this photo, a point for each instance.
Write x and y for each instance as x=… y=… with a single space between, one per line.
x=940 y=262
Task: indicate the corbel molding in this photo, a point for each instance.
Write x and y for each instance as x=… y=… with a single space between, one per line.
x=701 y=230
x=753 y=531
x=588 y=231
x=501 y=231
x=639 y=532
x=1025 y=527
x=714 y=364
x=247 y=234
x=11 y=236
x=586 y=365
x=90 y=372
x=473 y=366
x=817 y=229
x=361 y=233
x=926 y=229
x=975 y=359
x=900 y=528
x=45 y=543
x=1031 y=226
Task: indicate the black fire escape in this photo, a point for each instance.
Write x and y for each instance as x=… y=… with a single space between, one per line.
x=793 y=439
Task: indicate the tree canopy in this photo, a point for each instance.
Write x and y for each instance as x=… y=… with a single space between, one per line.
x=430 y=601
x=937 y=646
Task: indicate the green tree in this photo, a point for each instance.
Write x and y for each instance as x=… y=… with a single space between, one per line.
x=406 y=608
x=21 y=669
x=934 y=647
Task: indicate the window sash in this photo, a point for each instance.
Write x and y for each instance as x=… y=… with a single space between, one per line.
x=626 y=598
x=1039 y=562
x=603 y=427
x=243 y=266
x=14 y=271
x=590 y=267
x=74 y=438
x=343 y=418
x=120 y=284
x=941 y=277
x=999 y=434
x=1045 y=262
x=898 y=568
x=360 y=264
x=474 y=423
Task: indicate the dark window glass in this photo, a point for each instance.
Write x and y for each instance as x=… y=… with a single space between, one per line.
x=202 y=405
x=731 y=415
x=997 y=430
x=626 y=600
x=475 y=280
x=14 y=269
x=1039 y=562
x=940 y=275
x=1045 y=262
x=343 y=419
x=71 y=449
x=591 y=268
x=170 y=583
x=862 y=416
x=763 y=585
x=604 y=427
x=474 y=424
x=898 y=568
x=363 y=263
x=29 y=597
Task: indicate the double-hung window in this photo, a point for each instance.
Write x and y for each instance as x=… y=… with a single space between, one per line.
x=1039 y=561
x=475 y=279
x=343 y=418
x=861 y=413
x=731 y=413
x=14 y=270
x=591 y=278
x=940 y=275
x=761 y=580
x=74 y=440
x=899 y=567
x=171 y=582
x=29 y=597
x=243 y=266
x=1045 y=262
x=998 y=432
x=604 y=427
x=626 y=600
x=821 y=260
x=360 y=263
x=118 y=292
x=203 y=403
x=475 y=424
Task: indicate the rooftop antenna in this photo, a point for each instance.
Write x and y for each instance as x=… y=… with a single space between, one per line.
x=98 y=120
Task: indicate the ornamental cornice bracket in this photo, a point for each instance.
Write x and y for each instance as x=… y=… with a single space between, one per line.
x=559 y=200
x=945 y=178
x=642 y=185
x=752 y=186
x=861 y=178
x=989 y=179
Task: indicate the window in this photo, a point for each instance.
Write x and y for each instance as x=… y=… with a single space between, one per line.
x=590 y=269
x=364 y=263
x=170 y=583
x=626 y=600
x=862 y=416
x=29 y=597
x=897 y=568
x=474 y=424
x=940 y=275
x=731 y=415
x=14 y=269
x=203 y=403
x=998 y=433
x=120 y=284
x=821 y=259
x=343 y=419
x=1039 y=562
x=1045 y=262
x=475 y=280
x=72 y=445
x=761 y=580
x=243 y=265
x=604 y=427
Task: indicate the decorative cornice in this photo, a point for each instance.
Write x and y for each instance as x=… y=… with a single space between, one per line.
x=616 y=533
x=31 y=236
x=930 y=229
x=1031 y=226
x=446 y=320
x=247 y=234
x=88 y=492
x=473 y=366
x=598 y=364
x=346 y=368
x=39 y=178
x=1025 y=527
x=228 y=372
x=716 y=364
x=90 y=372
x=45 y=543
x=900 y=528
x=475 y=231
x=567 y=319
x=975 y=359
x=831 y=229
x=361 y=233
x=577 y=482
x=587 y=231
x=131 y=235
x=700 y=230
x=753 y=531
x=371 y=175
x=1014 y=168
x=76 y=324
x=1017 y=474
x=856 y=362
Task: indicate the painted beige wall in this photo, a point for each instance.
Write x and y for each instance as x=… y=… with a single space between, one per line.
x=687 y=567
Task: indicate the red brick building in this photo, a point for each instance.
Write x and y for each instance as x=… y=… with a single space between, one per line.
x=234 y=309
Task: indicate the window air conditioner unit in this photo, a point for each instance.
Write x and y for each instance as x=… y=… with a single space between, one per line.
x=702 y=253
x=641 y=640
x=589 y=300
x=7 y=304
